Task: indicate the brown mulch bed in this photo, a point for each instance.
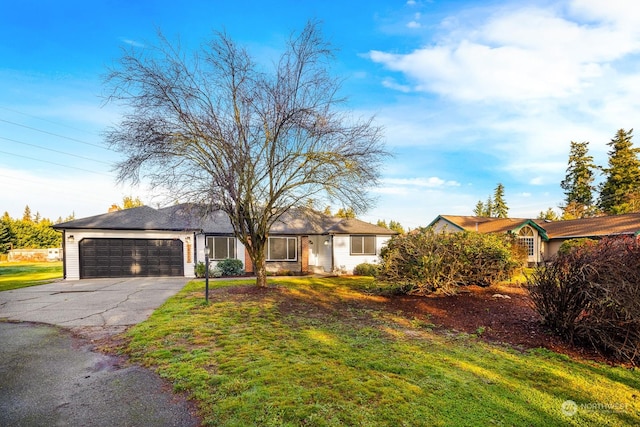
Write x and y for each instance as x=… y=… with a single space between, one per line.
x=502 y=314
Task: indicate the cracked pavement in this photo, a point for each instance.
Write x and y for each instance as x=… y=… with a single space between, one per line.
x=94 y=308
x=50 y=377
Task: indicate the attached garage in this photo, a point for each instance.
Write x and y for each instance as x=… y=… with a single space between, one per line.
x=124 y=257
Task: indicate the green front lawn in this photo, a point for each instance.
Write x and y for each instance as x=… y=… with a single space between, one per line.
x=14 y=275
x=321 y=352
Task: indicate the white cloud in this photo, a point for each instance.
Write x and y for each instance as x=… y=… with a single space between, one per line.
x=431 y=182
x=515 y=55
x=392 y=84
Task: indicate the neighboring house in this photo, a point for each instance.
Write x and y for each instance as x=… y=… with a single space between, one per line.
x=542 y=238
x=50 y=254
x=170 y=241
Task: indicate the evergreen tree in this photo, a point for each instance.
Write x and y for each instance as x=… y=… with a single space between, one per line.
x=395 y=226
x=578 y=183
x=620 y=192
x=499 y=208
x=549 y=215
x=382 y=223
x=128 y=202
x=479 y=209
x=6 y=237
x=26 y=216
x=488 y=207
x=486 y=210
x=347 y=213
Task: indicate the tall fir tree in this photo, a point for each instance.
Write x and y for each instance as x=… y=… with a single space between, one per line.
x=620 y=192
x=499 y=208
x=479 y=209
x=26 y=216
x=578 y=183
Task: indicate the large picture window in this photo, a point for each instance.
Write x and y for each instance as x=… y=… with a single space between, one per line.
x=363 y=245
x=221 y=247
x=282 y=249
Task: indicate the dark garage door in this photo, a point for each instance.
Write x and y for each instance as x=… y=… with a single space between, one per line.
x=130 y=258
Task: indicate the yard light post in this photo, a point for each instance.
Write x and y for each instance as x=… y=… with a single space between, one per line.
x=206 y=273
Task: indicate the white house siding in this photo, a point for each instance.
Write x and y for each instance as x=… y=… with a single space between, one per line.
x=344 y=261
x=442 y=225
x=72 y=246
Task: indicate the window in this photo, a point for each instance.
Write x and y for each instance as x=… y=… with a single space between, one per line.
x=363 y=245
x=282 y=249
x=221 y=247
x=526 y=240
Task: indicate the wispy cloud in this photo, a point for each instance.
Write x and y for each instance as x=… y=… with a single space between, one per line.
x=430 y=182
x=131 y=42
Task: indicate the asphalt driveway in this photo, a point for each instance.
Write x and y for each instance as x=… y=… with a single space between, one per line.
x=93 y=308
x=52 y=377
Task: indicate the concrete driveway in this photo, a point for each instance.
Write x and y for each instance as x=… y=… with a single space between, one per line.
x=94 y=308
x=49 y=377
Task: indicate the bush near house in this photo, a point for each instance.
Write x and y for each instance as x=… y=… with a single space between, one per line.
x=571 y=244
x=591 y=295
x=424 y=261
x=366 y=269
x=226 y=267
x=230 y=267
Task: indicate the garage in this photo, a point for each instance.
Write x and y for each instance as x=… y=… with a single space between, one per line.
x=106 y=257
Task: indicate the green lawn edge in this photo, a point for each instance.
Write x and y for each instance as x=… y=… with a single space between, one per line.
x=16 y=275
x=307 y=352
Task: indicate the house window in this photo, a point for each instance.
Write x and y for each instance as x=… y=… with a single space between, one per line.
x=282 y=249
x=363 y=245
x=221 y=247
x=526 y=239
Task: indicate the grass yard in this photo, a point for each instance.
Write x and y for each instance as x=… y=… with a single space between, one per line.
x=322 y=352
x=14 y=275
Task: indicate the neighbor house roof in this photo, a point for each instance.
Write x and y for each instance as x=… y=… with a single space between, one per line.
x=188 y=217
x=595 y=227
x=489 y=225
x=584 y=227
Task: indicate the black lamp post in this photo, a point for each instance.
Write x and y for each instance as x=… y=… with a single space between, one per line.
x=206 y=273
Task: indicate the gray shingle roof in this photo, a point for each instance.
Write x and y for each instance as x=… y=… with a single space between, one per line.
x=187 y=217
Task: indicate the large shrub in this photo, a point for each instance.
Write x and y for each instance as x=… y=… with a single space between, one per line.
x=230 y=267
x=573 y=244
x=425 y=261
x=366 y=269
x=591 y=295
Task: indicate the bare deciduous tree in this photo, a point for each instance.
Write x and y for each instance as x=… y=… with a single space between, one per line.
x=217 y=129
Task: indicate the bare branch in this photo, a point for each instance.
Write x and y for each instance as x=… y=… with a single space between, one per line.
x=215 y=128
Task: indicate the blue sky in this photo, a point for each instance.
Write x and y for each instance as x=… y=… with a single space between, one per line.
x=470 y=93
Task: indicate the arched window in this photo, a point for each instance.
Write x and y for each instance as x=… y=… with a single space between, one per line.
x=526 y=239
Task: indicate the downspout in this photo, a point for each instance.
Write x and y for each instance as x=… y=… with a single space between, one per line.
x=332 y=256
x=64 y=254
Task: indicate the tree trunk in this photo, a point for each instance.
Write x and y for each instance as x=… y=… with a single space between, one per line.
x=261 y=275
x=260 y=267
